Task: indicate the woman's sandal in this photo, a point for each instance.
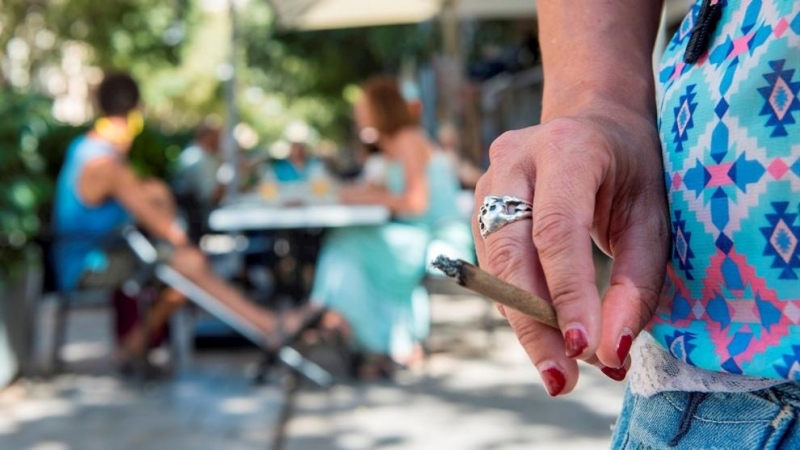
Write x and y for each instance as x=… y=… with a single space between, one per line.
x=310 y=319
x=374 y=367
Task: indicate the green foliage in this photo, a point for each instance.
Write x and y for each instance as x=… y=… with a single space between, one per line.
x=175 y=48
x=25 y=185
x=120 y=32
x=309 y=71
x=154 y=151
x=32 y=150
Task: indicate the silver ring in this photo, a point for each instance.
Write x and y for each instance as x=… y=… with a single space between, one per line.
x=497 y=212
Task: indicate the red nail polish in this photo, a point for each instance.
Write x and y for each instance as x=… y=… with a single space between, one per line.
x=554 y=381
x=575 y=342
x=624 y=347
x=615 y=374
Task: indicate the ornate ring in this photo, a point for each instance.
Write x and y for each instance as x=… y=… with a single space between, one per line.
x=497 y=212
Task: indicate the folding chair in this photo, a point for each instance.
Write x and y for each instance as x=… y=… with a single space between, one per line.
x=161 y=270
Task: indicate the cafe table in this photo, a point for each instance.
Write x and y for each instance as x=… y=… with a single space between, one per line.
x=249 y=212
x=252 y=213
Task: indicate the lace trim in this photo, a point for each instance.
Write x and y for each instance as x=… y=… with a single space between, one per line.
x=655 y=370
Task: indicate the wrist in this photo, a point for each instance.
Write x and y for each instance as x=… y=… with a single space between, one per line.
x=621 y=125
x=630 y=96
x=176 y=236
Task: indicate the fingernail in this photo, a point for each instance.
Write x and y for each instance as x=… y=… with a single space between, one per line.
x=575 y=341
x=554 y=380
x=615 y=374
x=624 y=346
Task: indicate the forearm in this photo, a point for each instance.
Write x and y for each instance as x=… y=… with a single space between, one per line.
x=403 y=204
x=162 y=225
x=597 y=51
x=158 y=220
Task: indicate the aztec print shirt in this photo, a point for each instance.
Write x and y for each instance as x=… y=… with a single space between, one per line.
x=731 y=150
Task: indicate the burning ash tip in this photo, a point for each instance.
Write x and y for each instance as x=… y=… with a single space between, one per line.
x=450 y=267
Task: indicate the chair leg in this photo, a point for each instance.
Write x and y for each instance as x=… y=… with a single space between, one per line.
x=181 y=345
x=268 y=361
x=60 y=333
x=144 y=317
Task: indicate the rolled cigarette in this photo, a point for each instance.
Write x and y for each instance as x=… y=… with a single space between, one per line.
x=477 y=280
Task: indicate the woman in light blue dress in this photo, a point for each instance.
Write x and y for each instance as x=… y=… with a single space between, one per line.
x=371 y=275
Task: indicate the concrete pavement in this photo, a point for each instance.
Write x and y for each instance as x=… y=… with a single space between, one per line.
x=469 y=395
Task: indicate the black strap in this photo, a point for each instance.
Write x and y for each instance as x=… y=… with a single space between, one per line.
x=707 y=20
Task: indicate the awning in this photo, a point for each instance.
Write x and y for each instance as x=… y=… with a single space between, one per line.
x=331 y=14
x=495 y=9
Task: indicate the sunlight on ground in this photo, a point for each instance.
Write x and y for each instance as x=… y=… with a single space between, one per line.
x=239 y=406
x=474 y=392
x=50 y=445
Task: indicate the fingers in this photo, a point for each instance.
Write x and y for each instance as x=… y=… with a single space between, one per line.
x=545 y=349
x=636 y=280
x=563 y=213
x=509 y=254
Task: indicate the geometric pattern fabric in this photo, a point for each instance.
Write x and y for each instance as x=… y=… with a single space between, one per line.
x=731 y=150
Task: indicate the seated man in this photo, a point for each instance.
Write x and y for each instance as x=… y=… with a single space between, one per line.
x=199 y=164
x=98 y=193
x=297 y=166
x=196 y=181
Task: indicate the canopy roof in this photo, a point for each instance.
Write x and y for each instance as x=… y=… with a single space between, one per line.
x=331 y=14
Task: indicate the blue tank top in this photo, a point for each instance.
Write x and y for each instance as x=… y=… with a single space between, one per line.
x=80 y=228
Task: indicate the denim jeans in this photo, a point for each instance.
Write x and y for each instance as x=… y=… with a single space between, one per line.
x=765 y=419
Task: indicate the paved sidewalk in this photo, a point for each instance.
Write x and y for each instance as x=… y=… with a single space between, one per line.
x=467 y=397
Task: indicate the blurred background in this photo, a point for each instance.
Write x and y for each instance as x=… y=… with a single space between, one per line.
x=277 y=80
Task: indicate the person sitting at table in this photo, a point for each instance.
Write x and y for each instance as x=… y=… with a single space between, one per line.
x=196 y=182
x=98 y=193
x=373 y=167
x=371 y=275
x=299 y=165
x=295 y=166
x=450 y=146
x=199 y=163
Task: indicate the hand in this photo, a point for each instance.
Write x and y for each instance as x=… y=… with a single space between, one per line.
x=177 y=236
x=350 y=194
x=595 y=175
x=359 y=195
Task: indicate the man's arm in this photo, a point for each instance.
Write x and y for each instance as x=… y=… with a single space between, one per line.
x=125 y=186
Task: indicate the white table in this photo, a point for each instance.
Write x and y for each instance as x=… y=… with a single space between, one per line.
x=251 y=213
x=254 y=215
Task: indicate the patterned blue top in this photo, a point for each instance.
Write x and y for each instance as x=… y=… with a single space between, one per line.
x=731 y=149
x=80 y=228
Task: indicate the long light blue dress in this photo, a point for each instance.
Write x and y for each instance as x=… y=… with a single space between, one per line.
x=371 y=275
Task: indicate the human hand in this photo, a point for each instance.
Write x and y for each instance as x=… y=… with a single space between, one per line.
x=349 y=194
x=359 y=195
x=595 y=175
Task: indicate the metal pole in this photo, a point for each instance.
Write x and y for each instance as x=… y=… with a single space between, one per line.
x=229 y=146
x=451 y=52
x=450 y=27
